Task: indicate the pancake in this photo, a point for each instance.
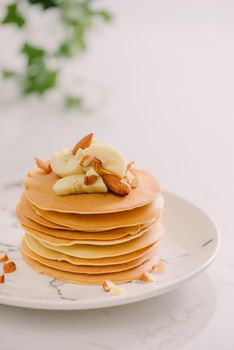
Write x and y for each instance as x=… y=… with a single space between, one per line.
x=27 y=210
x=39 y=191
x=90 y=223
x=69 y=242
x=44 y=252
x=65 y=266
x=92 y=252
x=102 y=222
x=73 y=234
x=92 y=279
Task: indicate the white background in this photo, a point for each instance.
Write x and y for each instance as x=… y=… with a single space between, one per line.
x=161 y=79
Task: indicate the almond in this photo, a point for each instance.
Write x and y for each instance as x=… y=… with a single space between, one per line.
x=107 y=285
x=98 y=165
x=86 y=160
x=83 y=143
x=135 y=181
x=3 y=257
x=129 y=168
x=90 y=180
x=147 y=277
x=117 y=185
x=117 y=290
x=159 y=268
x=45 y=166
x=2 y=278
x=9 y=266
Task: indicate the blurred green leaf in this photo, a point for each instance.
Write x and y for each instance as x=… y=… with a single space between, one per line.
x=8 y=74
x=73 y=102
x=41 y=82
x=32 y=53
x=45 y=3
x=77 y=17
x=105 y=15
x=37 y=78
x=14 y=16
x=64 y=49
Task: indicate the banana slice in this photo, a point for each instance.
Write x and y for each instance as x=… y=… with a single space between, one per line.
x=64 y=163
x=112 y=159
x=75 y=184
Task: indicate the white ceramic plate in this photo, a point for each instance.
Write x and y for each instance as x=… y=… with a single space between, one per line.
x=191 y=243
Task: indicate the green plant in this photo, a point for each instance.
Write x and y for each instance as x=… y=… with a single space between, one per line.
x=77 y=17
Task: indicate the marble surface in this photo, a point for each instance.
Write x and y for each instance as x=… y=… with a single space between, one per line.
x=161 y=79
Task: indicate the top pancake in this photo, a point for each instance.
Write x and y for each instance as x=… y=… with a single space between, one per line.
x=39 y=191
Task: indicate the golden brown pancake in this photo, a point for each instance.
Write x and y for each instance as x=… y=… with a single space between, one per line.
x=92 y=279
x=39 y=191
x=73 y=234
x=90 y=223
x=102 y=222
x=28 y=211
x=89 y=251
x=68 y=242
x=65 y=266
x=44 y=252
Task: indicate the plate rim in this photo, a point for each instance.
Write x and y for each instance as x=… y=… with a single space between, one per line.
x=125 y=299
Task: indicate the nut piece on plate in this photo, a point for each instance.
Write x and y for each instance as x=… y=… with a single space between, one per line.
x=45 y=166
x=9 y=266
x=3 y=257
x=159 y=268
x=110 y=287
x=107 y=285
x=2 y=278
x=117 y=290
x=147 y=277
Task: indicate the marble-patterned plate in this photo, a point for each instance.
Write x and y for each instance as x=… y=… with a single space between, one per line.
x=191 y=243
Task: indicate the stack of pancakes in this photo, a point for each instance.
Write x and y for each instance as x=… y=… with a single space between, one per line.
x=89 y=238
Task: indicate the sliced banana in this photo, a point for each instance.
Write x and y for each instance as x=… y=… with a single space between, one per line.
x=111 y=159
x=75 y=184
x=64 y=163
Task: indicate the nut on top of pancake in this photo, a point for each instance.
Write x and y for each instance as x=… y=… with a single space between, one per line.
x=90 y=167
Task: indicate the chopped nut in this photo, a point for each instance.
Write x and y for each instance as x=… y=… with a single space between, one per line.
x=98 y=165
x=147 y=277
x=86 y=160
x=2 y=278
x=129 y=168
x=90 y=180
x=83 y=143
x=45 y=166
x=107 y=285
x=3 y=257
x=117 y=290
x=9 y=266
x=159 y=268
x=135 y=181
